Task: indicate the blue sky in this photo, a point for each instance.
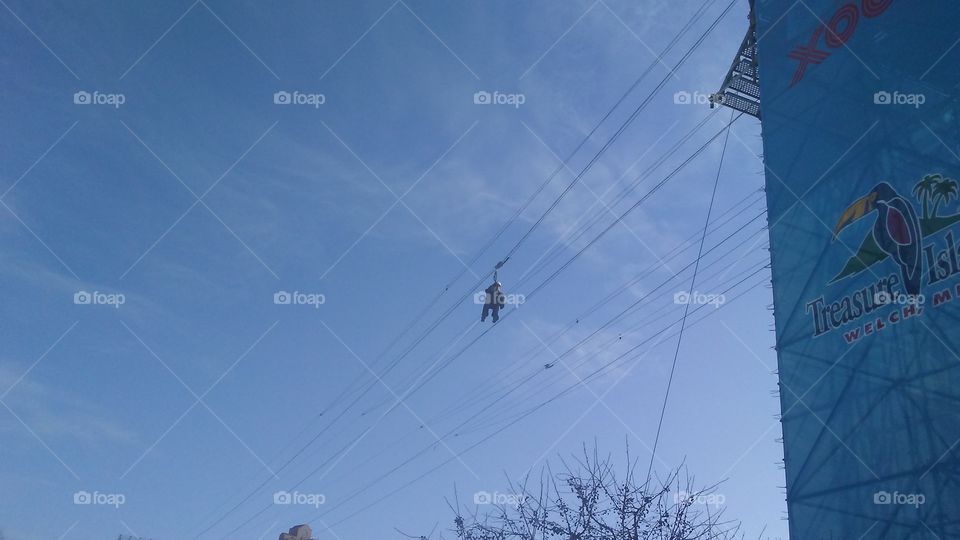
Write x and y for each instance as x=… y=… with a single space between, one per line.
x=198 y=198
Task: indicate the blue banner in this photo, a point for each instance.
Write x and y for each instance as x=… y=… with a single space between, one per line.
x=861 y=137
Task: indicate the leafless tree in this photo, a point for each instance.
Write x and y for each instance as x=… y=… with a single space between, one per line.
x=589 y=501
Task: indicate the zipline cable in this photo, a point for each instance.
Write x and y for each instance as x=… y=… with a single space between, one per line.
x=689 y=24
x=526 y=379
x=525 y=415
x=421 y=382
x=644 y=300
x=623 y=127
x=686 y=308
x=610 y=141
x=645 y=321
x=557 y=249
x=688 y=243
x=577 y=255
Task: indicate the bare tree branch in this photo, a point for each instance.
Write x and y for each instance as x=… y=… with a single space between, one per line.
x=589 y=501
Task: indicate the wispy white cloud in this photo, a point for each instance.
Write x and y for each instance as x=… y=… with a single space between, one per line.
x=56 y=414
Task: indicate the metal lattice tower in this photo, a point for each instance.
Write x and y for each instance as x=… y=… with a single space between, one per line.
x=741 y=88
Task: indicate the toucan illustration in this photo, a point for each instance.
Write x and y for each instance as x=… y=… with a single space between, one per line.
x=896 y=231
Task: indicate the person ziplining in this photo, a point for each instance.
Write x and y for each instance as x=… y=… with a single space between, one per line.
x=493 y=302
x=494 y=299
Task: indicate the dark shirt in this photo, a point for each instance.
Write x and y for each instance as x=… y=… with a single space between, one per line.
x=495 y=296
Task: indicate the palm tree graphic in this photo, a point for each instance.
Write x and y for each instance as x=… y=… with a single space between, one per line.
x=943 y=192
x=924 y=191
